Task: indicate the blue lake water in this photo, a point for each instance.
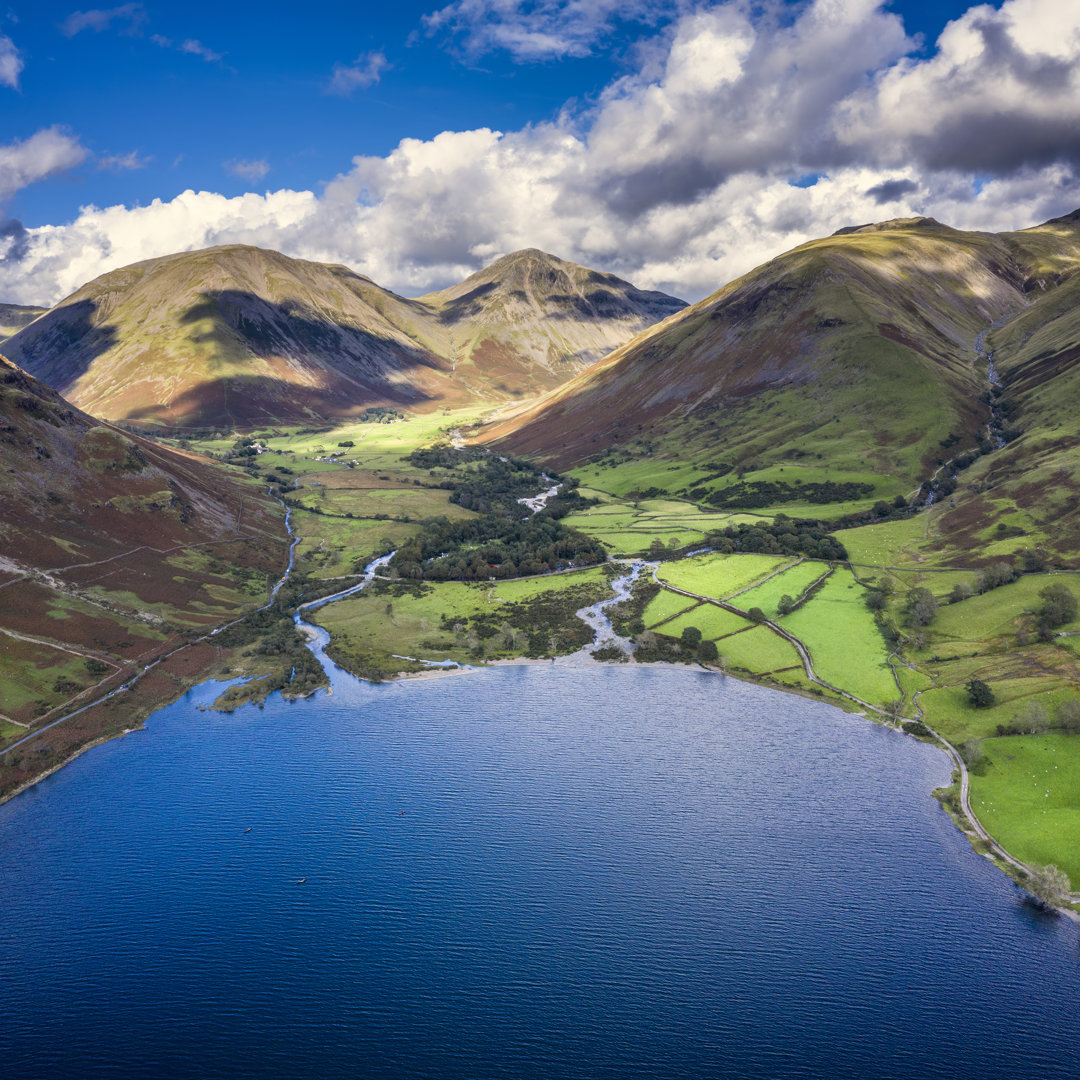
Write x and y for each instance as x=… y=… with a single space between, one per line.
x=521 y=872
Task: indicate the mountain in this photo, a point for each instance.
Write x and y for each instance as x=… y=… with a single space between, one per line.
x=530 y=321
x=13 y=317
x=116 y=555
x=863 y=354
x=76 y=492
x=240 y=336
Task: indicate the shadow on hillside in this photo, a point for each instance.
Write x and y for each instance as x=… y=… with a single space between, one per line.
x=251 y=400
x=465 y=307
x=61 y=345
x=292 y=329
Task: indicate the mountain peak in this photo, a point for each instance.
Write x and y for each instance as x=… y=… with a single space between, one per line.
x=892 y=223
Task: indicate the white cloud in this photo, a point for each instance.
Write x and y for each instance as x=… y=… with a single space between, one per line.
x=365 y=71
x=49 y=151
x=681 y=175
x=191 y=46
x=11 y=63
x=123 y=162
x=98 y=19
x=1001 y=92
x=532 y=30
x=247 y=170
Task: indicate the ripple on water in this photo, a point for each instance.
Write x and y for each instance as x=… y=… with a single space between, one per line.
x=521 y=872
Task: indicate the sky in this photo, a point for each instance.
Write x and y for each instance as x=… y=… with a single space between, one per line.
x=676 y=144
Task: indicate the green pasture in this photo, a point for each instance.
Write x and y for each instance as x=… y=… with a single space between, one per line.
x=890 y=543
x=844 y=642
x=712 y=621
x=1027 y=795
x=719 y=575
x=665 y=605
x=949 y=710
x=758 y=650
x=793 y=582
x=995 y=614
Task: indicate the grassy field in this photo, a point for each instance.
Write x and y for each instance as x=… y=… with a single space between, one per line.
x=994 y=614
x=845 y=644
x=712 y=621
x=1027 y=794
x=949 y=710
x=759 y=650
x=376 y=624
x=666 y=604
x=892 y=543
x=793 y=583
x=719 y=576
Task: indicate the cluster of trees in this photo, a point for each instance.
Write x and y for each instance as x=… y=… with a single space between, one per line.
x=494 y=545
x=506 y=539
x=784 y=536
x=1035 y=719
x=378 y=415
x=703 y=650
x=758 y=493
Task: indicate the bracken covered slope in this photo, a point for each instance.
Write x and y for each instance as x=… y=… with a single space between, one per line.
x=114 y=553
x=241 y=336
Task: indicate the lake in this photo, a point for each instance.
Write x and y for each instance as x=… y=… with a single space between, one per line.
x=523 y=871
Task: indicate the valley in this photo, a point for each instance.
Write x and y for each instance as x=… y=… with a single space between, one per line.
x=824 y=489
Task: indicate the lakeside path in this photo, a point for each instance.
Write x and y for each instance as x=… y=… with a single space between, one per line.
x=958 y=761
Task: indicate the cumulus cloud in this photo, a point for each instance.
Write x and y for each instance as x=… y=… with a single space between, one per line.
x=365 y=71
x=247 y=170
x=1002 y=92
x=11 y=63
x=532 y=30
x=99 y=19
x=683 y=174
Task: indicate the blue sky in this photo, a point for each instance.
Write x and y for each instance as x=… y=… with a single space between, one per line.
x=677 y=144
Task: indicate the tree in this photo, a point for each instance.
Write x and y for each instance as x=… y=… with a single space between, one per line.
x=1049 y=885
x=707 y=652
x=1033 y=718
x=1068 y=716
x=1059 y=606
x=972 y=752
x=785 y=606
x=979 y=694
x=962 y=590
x=921 y=606
x=691 y=637
x=992 y=577
x=876 y=600
x=755 y=614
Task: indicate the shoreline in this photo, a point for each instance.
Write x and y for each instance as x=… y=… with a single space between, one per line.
x=964 y=818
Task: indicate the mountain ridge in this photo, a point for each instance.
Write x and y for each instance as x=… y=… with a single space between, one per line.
x=236 y=335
